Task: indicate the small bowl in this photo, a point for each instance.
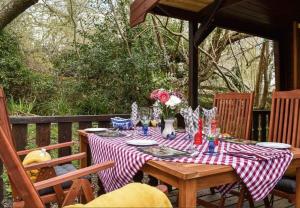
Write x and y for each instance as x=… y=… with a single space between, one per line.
x=121 y=123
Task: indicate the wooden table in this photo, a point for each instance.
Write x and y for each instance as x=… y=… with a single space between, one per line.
x=189 y=178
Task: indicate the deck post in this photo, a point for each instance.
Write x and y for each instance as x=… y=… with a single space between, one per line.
x=287 y=59
x=193 y=66
x=296 y=55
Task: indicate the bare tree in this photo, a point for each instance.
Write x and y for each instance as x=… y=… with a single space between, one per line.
x=12 y=9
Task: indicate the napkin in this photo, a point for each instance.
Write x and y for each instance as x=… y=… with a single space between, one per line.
x=134 y=111
x=190 y=119
x=156 y=112
x=209 y=114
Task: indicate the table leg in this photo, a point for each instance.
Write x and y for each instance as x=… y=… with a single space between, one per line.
x=187 y=194
x=298 y=188
x=83 y=148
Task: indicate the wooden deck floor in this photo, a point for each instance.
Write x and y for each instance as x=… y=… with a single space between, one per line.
x=231 y=201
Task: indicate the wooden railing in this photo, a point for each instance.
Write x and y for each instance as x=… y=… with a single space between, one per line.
x=260 y=125
x=66 y=125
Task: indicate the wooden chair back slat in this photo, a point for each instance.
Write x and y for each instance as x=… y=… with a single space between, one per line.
x=13 y=164
x=235 y=113
x=290 y=123
x=4 y=117
x=285 y=117
x=280 y=126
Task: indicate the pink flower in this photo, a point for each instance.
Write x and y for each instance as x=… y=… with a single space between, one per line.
x=164 y=96
x=154 y=95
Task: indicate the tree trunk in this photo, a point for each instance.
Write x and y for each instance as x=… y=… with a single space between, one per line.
x=266 y=79
x=259 y=76
x=262 y=78
x=13 y=9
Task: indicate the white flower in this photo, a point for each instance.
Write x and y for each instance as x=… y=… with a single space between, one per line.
x=173 y=101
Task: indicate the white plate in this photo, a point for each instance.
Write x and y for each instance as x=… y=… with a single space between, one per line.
x=274 y=145
x=141 y=142
x=95 y=129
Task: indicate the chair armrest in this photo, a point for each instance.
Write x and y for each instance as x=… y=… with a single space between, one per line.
x=55 y=162
x=73 y=175
x=50 y=147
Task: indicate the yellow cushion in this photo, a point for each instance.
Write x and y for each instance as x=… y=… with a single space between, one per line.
x=35 y=157
x=131 y=195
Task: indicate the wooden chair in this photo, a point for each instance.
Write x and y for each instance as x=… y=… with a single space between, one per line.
x=59 y=186
x=285 y=128
x=235 y=113
x=234 y=117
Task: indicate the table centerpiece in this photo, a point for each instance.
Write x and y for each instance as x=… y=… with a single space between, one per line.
x=169 y=102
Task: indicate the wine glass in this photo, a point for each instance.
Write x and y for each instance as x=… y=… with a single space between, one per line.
x=135 y=122
x=145 y=119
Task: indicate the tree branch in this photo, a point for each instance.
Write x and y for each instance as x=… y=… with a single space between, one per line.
x=13 y=9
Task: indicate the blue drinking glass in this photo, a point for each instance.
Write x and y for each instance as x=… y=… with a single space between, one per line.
x=211 y=147
x=145 y=129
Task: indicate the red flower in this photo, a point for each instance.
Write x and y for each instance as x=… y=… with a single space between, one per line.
x=164 y=96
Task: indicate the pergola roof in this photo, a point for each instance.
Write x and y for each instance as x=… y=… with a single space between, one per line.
x=265 y=18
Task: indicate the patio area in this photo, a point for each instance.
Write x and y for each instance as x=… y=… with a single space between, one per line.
x=197 y=175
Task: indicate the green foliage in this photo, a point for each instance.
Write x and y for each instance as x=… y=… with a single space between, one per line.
x=110 y=76
x=20 y=107
x=14 y=76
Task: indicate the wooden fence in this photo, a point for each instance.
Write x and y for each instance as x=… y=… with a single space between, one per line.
x=65 y=125
x=260 y=125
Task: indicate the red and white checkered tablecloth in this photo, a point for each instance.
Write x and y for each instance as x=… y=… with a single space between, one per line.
x=259 y=176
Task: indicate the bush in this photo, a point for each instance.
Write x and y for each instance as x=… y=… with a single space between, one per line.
x=14 y=76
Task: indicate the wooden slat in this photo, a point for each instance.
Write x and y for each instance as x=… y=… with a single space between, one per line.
x=84 y=125
x=280 y=124
x=64 y=135
x=62 y=119
x=235 y=113
x=295 y=123
x=43 y=134
x=290 y=122
x=255 y=125
x=285 y=123
x=1 y=185
x=19 y=133
x=190 y=5
x=49 y=147
x=73 y=175
x=297 y=142
x=55 y=162
x=276 y=120
x=264 y=126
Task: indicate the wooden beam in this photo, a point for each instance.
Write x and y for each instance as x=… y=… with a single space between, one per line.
x=193 y=66
x=173 y=12
x=139 y=10
x=296 y=55
x=207 y=27
x=284 y=75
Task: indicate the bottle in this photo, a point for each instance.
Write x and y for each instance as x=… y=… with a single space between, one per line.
x=198 y=136
x=214 y=124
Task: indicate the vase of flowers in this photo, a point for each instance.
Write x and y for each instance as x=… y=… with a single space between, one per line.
x=168 y=102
